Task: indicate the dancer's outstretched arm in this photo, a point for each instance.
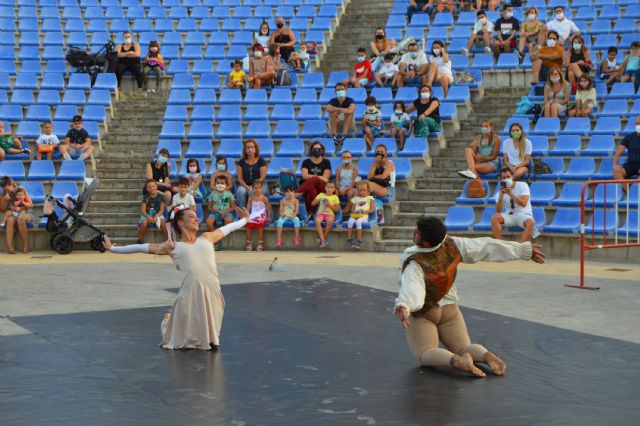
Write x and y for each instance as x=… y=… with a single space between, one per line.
x=164 y=248
x=225 y=230
x=491 y=250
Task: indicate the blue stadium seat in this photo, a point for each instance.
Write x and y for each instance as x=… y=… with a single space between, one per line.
x=52 y=81
x=621 y=90
x=356 y=146
x=204 y=97
x=49 y=97
x=36 y=113
x=179 y=66
x=570 y=195
x=542 y=193
x=614 y=107
x=281 y=95
x=600 y=26
x=507 y=61
x=540 y=145
x=286 y=129
x=28 y=129
x=602 y=222
x=229 y=129
x=607 y=126
x=179 y=97
x=172 y=145
x=577 y=126
x=13 y=169
x=414 y=147
x=229 y=112
x=230 y=148
x=580 y=169
x=258 y=129
x=630 y=227
x=613 y=194
x=99 y=97
x=279 y=112
x=459 y=218
x=201 y=129
x=22 y=97
x=403 y=168
x=199 y=148
x=255 y=96
x=191 y=52
x=291 y=148
x=71 y=170
x=313 y=128
x=65 y=112
x=11 y=113
x=484 y=224
x=309 y=112
x=253 y=112
x=610 y=11
x=312 y=80
x=78 y=39
x=464 y=197
x=35 y=191
x=565 y=221
x=483 y=61
x=204 y=68
x=458 y=94
x=305 y=97
x=600 y=145
x=61 y=188
x=622 y=26
x=230 y=96
x=567 y=145
x=557 y=168
x=277 y=164
x=41 y=170
x=547 y=126
x=176 y=113
x=172 y=130
x=406 y=94
x=106 y=81
x=73 y=97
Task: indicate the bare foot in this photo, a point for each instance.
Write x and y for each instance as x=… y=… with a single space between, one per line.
x=167 y=316
x=495 y=364
x=465 y=363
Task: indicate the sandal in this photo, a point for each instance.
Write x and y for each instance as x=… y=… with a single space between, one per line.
x=25 y=251
x=11 y=251
x=297 y=242
x=260 y=246
x=249 y=245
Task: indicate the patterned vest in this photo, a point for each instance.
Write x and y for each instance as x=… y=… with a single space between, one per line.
x=440 y=268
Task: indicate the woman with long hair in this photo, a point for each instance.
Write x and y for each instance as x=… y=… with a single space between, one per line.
x=577 y=60
x=556 y=94
x=196 y=316
x=517 y=151
x=482 y=154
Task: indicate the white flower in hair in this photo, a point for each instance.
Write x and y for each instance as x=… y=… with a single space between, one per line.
x=175 y=210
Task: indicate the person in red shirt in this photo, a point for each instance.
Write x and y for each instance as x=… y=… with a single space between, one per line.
x=361 y=71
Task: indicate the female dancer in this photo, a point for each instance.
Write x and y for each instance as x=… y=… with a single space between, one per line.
x=196 y=316
x=428 y=295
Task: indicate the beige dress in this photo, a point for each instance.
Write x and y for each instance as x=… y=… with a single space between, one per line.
x=196 y=315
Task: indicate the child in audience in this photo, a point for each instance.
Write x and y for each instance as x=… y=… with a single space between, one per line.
x=401 y=124
x=221 y=204
x=346 y=179
x=610 y=68
x=153 y=62
x=47 y=142
x=372 y=121
x=295 y=61
x=304 y=55
x=585 y=97
x=260 y=214
x=289 y=208
x=482 y=32
x=183 y=197
x=10 y=144
x=221 y=170
x=388 y=71
x=328 y=205
x=237 y=76
x=194 y=176
x=20 y=208
x=362 y=74
x=361 y=207
x=152 y=211
x=631 y=63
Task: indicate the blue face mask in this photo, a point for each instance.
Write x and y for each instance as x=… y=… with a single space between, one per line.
x=413 y=55
x=341 y=93
x=162 y=159
x=360 y=58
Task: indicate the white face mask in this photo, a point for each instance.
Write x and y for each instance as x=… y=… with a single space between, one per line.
x=257 y=54
x=577 y=46
x=371 y=108
x=127 y=40
x=551 y=43
x=425 y=95
x=483 y=20
x=508 y=181
x=346 y=162
x=486 y=130
x=341 y=93
x=436 y=51
x=220 y=187
x=560 y=16
x=193 y=169
x=399 y=111
x=555 y=79
x=584 y=84
x=531 y=16
x=509 y=15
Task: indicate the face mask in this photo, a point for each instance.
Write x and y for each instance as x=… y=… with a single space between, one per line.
x=257 y=54
x=399 y=111
x=483 y=20
x=516 y=134
x=584 y=84
x=509 y=15
x=220 y=186
x=425 y=95
x=341 y=93
x=316 y=152
x=486 y=130
x=348 y=162
x=387 y=63
x=264 y=31
x=555 y=79
x=637 y=128
x=379 y=36
x=436 y=51
x=162 y=159
x=532 y=16
x=413 y=55
x=221 y=167
x=127 y=40
x=577 y=46
x=279 y=25
x=371 y=108
x=508 y=181
x=193 y=169
x=360 y=59
x=560 y=16
x=551 y=43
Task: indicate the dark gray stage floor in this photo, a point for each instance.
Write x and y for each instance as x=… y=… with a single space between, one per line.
x=306 y=352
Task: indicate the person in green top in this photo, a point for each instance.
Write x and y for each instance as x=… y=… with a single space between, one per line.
x=10 y=144
x=221 y=204
x=152 y=211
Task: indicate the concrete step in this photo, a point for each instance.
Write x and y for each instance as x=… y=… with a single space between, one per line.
x=108 y=219
x=394 y=246
x=115 y=184
x=122 y=173
x=410 y=219
x=433 y=194
x=105 y=193
x=397 y=232
x=424 y=206
x=439 y=182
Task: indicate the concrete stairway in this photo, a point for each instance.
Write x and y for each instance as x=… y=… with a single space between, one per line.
x=128 y=146
x=437 y=189
x=356 y=29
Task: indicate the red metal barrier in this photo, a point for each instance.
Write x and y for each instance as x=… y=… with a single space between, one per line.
x=619 y=206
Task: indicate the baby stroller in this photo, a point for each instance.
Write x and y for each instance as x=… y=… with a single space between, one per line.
x=71 y=228
x=90 y=63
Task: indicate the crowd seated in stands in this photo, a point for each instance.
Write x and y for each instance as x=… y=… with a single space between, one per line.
x=47 y=142
x=547 y=57
x=362 y=71
x=529 y=32
x=413 y=68
x=564 y=27
x=577 y=59
x=427 y=120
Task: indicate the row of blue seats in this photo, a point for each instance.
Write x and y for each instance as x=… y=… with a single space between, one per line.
x=571 y=145
x=551 y=126
x=32 y=129
x=43 y=170
x=78 y=97
x=284 y=95
x=172 y=12
x=565 y=221
x=34 y=66
x=448 y=111
x=42 y=113
x=544 y=194
x=84 y=4
x=292 y=147
x=59 y=189
x=57 y=81
x=579 y=168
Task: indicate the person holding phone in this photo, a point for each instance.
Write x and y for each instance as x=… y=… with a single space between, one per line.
x=513 y=207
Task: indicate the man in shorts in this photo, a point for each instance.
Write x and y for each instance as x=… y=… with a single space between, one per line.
x=631 y=168
x=513 y=207
x=506 y=29
x=77 y=141
x=341 y=109
x=413 y=67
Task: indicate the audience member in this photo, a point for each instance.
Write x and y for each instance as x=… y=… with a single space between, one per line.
x=362 y=73
x=506 y=31
x=17 y=207
x=289 y=210
x=380 y=173
x=610 y=69
x=276 y=58
x=420 y=6
x=304 y=55
x=401 y=124
x=263 y=36
x=347 y=177
x=371 y=121
x=237 y=76
x=8 y=187
x=47 y=142
x=631 y=168
x=564 y=27
x=482 y=154
x=183 y=197
x=361 y=207
x=340 y=109
x=428 y=119
x=129 y=59
x=77 y=141
x=557 y=94
x=487 y=4
x=328 y=204
x=220 y=204
x=440 y=67
x=517 y=151
x=482 y=32
x=585 y=98
x=261 y=68
x=529 y=32
x=413 y=67
x=380 y=46
x=221 y=169
x=295 y=61
x=260 y=209
x=194 y=177
x=284 y=38
x=153 y=62
x=577 y=59
x=151 y=211
x=316 y=171
x=387 y=72
x=513 y=207
x=445 y=6
x=159 y=171
x=251 y=168
x=547 y=57
x=631 y=65
x=10 y=144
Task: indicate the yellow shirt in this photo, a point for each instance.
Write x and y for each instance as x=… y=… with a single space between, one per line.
x=237 y=77
x=360 y=206
x=326 y=201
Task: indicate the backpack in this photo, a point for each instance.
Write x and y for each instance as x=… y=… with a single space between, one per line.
x=523 y=106
x=287 y=178
x=283 y=78
x=475 y=189
x=540 y=167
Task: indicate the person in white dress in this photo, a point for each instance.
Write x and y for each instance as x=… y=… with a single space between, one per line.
x=196 y=316
x=427 y=304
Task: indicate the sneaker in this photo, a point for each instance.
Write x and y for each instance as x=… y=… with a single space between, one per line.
x=520 y=56
x=280 y=244
x=3 y=225
x=465 y=51
x=26 y=151
x=324 y=243
x=351 y=242
x=297 y=242
x=467 y=174
x=487 y=49
x=358 y=245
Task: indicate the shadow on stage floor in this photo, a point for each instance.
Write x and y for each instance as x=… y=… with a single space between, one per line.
x=316 y=352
